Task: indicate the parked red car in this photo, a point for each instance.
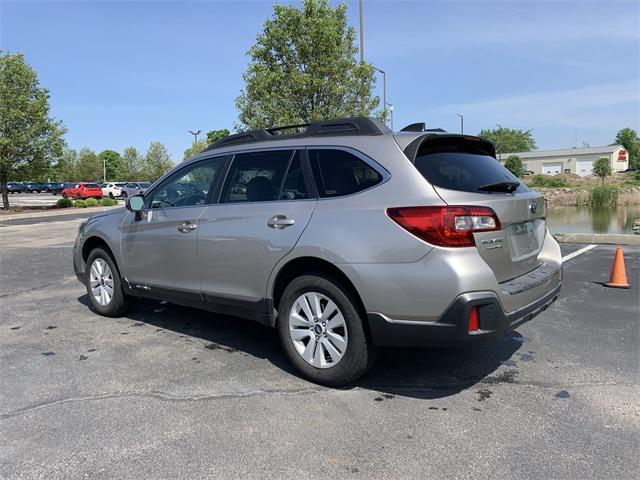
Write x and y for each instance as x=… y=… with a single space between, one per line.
x=83 y=190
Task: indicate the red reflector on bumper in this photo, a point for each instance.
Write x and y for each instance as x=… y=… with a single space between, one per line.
x=474 y=320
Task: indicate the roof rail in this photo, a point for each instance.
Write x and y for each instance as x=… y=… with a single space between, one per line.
x=341 y=126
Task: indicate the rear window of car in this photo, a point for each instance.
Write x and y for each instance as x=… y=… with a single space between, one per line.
x=465 y=172
x=144 y=184
x=91 y=185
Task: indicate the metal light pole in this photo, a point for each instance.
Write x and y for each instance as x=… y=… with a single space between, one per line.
x=461 y=122
x=361 y=33
x=104 y=169
x=499 y=155
x=391 y=110
x=384 y=91
x=195 y=135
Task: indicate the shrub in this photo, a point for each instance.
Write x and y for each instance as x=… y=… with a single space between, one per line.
x=514 y=165
x=603 y=196
x=108 y=202
x=602 y=168
x=548 y=181
x=64 y=203
x=91 y=202
x=80 y=204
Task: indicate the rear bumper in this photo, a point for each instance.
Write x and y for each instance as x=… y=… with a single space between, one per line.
x=451 y=328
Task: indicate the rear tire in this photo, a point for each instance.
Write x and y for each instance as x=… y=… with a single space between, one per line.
x=104 y=285
x=336 y=329
x=111 y=196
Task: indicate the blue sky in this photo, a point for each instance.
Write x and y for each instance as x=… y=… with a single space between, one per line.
x=127 y=73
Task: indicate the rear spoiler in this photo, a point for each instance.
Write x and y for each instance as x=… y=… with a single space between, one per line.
x=451 y=142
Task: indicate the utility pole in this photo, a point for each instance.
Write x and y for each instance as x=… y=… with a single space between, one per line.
x=461 y=122
x=391 y=110
x=195 y=135
x=384 y=91
x=361 y=34
x=104 y=169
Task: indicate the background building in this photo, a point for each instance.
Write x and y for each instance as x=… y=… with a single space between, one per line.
x=573 y=160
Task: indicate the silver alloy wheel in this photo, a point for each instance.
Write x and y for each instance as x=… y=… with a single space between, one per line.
x=101 y=281
x=318 y=330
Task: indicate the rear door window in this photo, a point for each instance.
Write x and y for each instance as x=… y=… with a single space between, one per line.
x=337 y=173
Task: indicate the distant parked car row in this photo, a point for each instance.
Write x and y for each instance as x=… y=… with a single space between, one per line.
x=81 y=189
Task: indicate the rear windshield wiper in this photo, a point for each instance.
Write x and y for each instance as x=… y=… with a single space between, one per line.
x=508 y=187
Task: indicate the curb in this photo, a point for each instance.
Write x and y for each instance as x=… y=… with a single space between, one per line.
x=55 y=212
x=598 y=238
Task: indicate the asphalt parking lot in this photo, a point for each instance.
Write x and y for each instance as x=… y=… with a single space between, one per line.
x=172 y=392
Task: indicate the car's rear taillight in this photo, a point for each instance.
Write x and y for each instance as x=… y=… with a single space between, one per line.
x=450 y=226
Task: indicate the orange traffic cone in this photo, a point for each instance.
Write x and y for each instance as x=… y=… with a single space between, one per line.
x=618 y=274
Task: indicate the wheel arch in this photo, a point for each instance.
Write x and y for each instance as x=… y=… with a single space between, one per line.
x=314 y=265
x=96 y=241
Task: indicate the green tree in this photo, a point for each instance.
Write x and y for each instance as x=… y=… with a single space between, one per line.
x=602 y=168
x=29 y=138
x=156 y=162
x=628 y=138
x=88 y=166
x=303 y=68
x=514 y=165
x=133 y=164
x=214 y=135
x=195 y=148
x=64 y=168
x=508 y=140
x=113 y=163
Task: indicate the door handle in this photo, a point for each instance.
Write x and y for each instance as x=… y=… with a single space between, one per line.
x=186 y=227
x=280 y=221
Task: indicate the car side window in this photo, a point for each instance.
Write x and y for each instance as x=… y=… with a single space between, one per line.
x=188 y=187
x=256 y=176
x=294 y=186
x=337 y=173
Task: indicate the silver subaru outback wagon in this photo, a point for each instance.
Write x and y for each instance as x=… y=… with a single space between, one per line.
x=344 y=237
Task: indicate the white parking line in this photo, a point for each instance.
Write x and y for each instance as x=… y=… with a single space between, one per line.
x=578 y=252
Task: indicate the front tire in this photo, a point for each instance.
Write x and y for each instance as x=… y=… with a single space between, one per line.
x=104 y=285
x=322 y=331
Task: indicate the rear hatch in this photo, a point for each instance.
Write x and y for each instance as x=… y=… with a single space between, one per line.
x=463 y=171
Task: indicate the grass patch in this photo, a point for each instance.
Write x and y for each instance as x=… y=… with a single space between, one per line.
x=548 y=181
x=603 y=196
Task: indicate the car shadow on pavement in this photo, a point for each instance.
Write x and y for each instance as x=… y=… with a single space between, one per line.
x=428 y=373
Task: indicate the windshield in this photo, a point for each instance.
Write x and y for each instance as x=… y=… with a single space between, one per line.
x=466 y=172
x=144 y=184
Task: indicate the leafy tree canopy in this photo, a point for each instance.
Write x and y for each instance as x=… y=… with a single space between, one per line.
x=214 y=135
x=602 y=168
x=133 y=161
x=29 y=138
x=88 y=167
x=628 y=138
x=508 y=140
x=113 y=163
x=156 y=162
x=514 y=165
x=194 y=149
x=303 y=68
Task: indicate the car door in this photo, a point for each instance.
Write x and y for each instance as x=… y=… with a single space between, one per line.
x=264 y=206
x=159 y=246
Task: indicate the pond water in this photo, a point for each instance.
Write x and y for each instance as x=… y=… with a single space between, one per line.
x=592 y=220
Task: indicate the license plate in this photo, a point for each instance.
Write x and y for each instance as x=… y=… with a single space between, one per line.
x=522 y=239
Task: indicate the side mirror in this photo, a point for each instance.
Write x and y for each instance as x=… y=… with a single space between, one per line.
x=135 y=204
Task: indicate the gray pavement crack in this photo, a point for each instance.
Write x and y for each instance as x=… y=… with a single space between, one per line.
x=167 y=397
